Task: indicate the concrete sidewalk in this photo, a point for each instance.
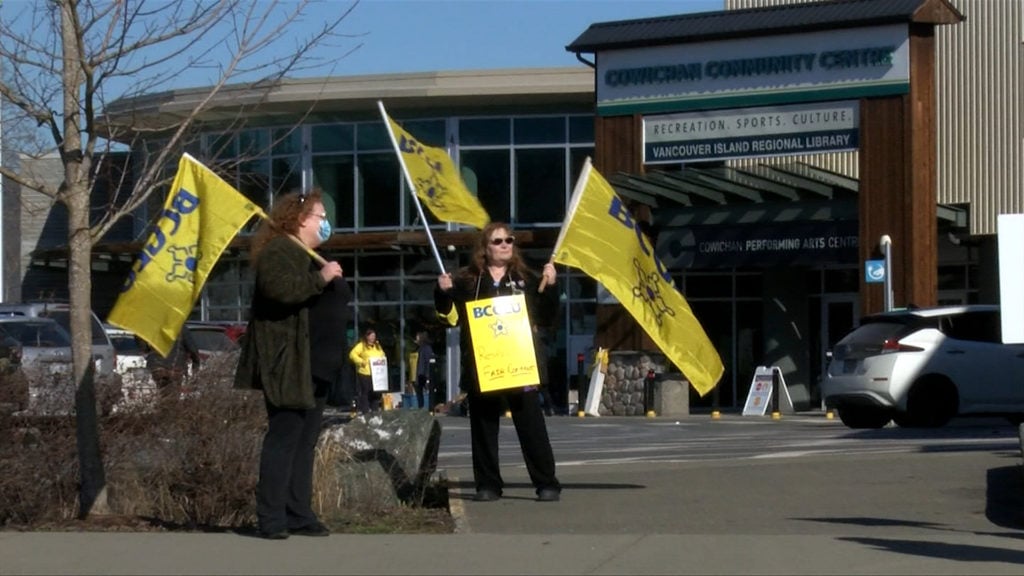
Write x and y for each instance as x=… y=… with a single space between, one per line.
x=647 y=519
x=177 y=553
x=838 y=514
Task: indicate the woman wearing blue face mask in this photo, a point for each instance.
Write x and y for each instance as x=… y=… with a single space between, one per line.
x=289 y=298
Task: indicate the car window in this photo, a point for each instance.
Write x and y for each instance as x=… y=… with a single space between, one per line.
x=37 y=334
x=63 y=317
x=215 y=340
x=976 y=326
x=125 y=344
x=876 y=332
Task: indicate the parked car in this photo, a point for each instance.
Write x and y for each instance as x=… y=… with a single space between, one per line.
x=46 y=365
x=137 y=387
x=215 y=339
x=14 y=392
x=921 y=367
x=102 y=348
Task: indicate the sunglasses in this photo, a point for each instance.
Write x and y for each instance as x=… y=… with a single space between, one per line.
x=506 y=240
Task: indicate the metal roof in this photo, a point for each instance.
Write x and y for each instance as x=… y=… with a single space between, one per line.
x=793 y=190
x=773 y=20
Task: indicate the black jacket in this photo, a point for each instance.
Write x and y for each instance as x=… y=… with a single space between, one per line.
x=467 y=286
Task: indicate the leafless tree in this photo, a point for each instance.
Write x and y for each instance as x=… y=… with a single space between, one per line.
x=64 y=64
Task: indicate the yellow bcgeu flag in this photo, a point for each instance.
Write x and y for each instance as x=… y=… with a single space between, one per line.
x=601 y=238
x=435 y=179
x=502 y=343
x=200 y=217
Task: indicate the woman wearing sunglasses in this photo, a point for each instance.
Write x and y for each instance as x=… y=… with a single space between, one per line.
x=497 y=269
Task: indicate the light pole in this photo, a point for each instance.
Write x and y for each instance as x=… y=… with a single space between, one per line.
x=886 y=243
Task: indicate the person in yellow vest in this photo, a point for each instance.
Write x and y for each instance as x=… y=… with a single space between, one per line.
x=365 y=350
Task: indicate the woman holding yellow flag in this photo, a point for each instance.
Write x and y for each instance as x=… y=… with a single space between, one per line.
x=276 y=357
x=495 y=331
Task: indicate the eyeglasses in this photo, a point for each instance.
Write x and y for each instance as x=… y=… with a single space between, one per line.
x=507 y=240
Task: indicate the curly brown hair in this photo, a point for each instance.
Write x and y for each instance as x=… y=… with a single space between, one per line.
x=284 y=218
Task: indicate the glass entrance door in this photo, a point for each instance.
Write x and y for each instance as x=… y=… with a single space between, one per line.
x=839 y=315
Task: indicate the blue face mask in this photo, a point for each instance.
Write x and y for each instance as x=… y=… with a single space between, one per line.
x=324 y=231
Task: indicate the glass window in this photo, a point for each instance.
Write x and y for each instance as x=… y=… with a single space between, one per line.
x=540 y=185
x=487 y=175
x=708 y=286
x=748 y=285
x=373 y=136
x=286 y=175
x=253 y=143
x=287 y=141
x=485 y=132
x=577 y=156
x=842 y=280
x=333 y=138
x=378 y=189
x=581 y=129
x=223 y=146
x=539 y=130
x=254 y=180
x=378 y=265
x=429 y=132
x=334 y=175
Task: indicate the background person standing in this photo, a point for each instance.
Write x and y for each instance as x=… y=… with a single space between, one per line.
x=361 y=355
x=424 y=362
x=276 y=358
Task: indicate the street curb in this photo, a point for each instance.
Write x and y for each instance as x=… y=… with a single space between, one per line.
x=456 y=507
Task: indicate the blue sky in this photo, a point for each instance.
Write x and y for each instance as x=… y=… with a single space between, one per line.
x=431 y=35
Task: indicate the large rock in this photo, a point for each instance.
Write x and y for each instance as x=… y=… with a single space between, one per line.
x=376 y=462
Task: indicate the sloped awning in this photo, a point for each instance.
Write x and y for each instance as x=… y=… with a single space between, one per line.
x=783 y=214
x=752 y=190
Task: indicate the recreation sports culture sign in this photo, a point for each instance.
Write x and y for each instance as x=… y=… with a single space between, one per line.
x=764 y=131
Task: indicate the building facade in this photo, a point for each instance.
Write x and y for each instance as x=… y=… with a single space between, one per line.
x=520 y=137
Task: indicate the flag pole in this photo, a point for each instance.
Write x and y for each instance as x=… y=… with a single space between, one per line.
x=412 y=187
x=574 y=203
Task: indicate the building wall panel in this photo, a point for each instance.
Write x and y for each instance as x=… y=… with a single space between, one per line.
x=978 y=83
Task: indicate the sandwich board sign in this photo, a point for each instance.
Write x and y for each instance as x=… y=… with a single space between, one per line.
x=759 y=398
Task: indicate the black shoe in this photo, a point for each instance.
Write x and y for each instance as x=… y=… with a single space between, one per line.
x=314 y=529
x=548 y=495
x=279 y=535
x=486 y=495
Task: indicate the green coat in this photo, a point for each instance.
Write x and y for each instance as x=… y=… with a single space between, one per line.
x=275 y=351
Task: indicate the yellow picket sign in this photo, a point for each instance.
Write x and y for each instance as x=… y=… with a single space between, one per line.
x=502 y=343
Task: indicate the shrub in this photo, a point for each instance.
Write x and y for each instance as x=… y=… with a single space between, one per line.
x=190 y=459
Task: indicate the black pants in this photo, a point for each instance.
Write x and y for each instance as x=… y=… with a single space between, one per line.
x=423 y=385
x=285 y=491
x=366 y=398
x=485 y=411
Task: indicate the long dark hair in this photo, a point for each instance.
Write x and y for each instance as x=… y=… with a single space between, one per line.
x=284 y=218
x=478 y=260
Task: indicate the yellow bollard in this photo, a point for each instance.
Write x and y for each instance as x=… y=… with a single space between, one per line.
x=829 y=415
x=651 y=414
x=776 y=415
x=715 y=414
x=508 y=413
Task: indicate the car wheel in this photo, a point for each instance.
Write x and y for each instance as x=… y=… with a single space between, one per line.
x=933 y=401
x=864 y=416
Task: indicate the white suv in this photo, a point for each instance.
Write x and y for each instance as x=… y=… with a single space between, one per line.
x=921 y=367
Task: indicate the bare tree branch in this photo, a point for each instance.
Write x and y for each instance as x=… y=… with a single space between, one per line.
x=71 y=66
